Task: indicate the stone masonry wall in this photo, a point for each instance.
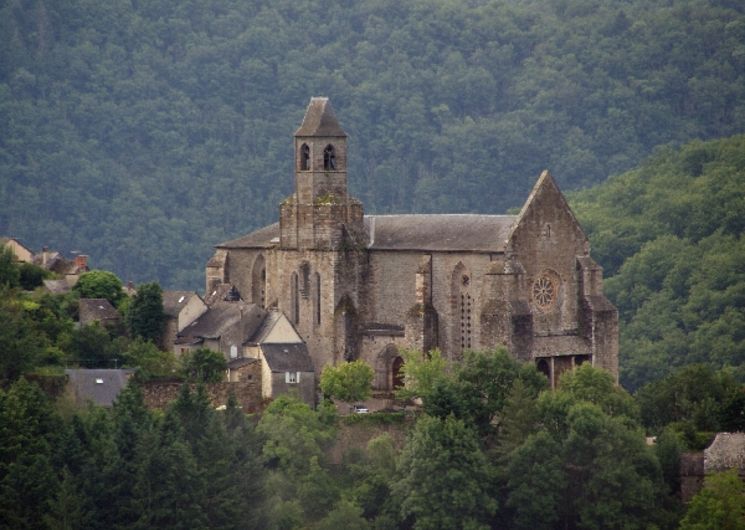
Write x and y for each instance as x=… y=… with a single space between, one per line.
x=158 y=394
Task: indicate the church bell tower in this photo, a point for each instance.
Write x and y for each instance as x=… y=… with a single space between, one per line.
x=320 y=214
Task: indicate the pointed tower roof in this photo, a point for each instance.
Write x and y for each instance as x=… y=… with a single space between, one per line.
x=320 y=120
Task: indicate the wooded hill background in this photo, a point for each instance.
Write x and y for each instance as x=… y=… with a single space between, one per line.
x=143 y=132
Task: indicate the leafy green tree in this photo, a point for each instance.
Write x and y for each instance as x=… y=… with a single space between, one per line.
x=693 y=394
x=349 y=382
x=204 y=365
x=345 y=514
x=597 y=386
x=145 y=317
x=444 y=477
x=720 y=505
x=421 y=372
x=100 y=284
x=294 y=434
x=68 y=509
x=20 y=344
x=31 y=276
x=29 y=429
x=149 y=360
x=10 y=275
x=295 y=440
x=90 y=346
x=537 y=480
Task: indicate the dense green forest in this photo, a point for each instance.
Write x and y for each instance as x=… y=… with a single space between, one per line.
x=491 y=448
x=143 y=132
x=670 y=234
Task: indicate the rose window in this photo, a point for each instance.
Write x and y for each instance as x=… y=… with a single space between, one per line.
x=544 y=292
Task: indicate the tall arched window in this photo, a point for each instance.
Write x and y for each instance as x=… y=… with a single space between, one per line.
x=317 y=298
x=304 y=157
x=295 y=298
x=462 y=307
x=329 y=158
x=258 y=282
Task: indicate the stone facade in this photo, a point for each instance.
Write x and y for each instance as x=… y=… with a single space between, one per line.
x=361 y=286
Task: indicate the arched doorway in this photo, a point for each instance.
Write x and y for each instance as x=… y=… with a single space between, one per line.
x=543 y=367
x=397 y=373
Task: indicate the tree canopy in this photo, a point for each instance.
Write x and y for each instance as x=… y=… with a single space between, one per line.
x=130 y=141
x=669 y=234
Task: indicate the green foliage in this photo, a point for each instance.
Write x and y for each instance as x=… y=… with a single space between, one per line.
x=586 y=383
x=204 y=365
x=145 y=317
x=10 y=275
x=100 y=284
x=28 y=434
x=20 y=344
x=421 y=373
x=444 y=477
x=31 y=276
x=720 y=505
x=669 y=235
x=90 y=346
x=149 y=360
x=475 y=389
x=121 y=138
x=295 y=439
x=693 y=396
x=349 y=382
x=345 y=514
x=294 y=434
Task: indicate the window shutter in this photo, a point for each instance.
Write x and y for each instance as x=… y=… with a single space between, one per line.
x=287 y=377
x=298 y=378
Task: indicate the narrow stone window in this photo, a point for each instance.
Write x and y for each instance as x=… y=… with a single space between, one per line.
x=304 y=157
x=317 y=298
x=262 y=290
x=295 y=295
x=465 y=321
x=329 y=158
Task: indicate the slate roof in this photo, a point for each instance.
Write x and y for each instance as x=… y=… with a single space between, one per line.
x=266 y=326
x=421 y=232
x=175 y=301
x=287 y=357
x=96 y=310
x=219 y=318
x=320 y=120
x=439 y=232
x=97 y=385
x=241 y=362
x=261 y=238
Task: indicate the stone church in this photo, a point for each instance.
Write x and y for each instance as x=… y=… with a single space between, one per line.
x=359 y=286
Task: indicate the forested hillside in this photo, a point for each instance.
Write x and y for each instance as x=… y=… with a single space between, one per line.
x=144 y=132
x=671 y=236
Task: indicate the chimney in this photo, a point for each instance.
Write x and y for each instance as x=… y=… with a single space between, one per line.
x=44 y=255
x=81 y=262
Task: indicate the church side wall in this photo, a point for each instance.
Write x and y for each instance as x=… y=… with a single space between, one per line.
x=392 y=288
